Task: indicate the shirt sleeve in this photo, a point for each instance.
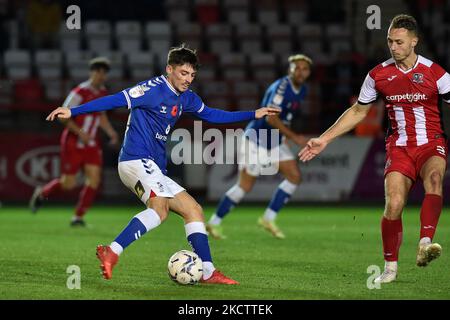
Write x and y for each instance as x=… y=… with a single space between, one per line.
x=443 y=85
x=368 y=93
x=142 y=96
x=197 y=108
x=73 y=99
x=101 y=104
x=273 y=97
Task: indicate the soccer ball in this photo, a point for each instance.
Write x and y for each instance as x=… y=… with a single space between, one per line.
x=185 y=267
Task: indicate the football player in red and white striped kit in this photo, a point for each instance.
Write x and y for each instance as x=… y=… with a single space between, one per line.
x=416 y=146
x=80 y=144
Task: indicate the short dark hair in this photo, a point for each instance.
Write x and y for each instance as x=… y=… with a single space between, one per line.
x=405 y=21
x=99 y=63
x=180 y=55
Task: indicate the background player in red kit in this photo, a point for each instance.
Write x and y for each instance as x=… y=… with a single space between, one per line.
x=80 y=145
x=416 y=146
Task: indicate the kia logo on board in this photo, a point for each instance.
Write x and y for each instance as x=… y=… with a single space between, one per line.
x=38 y=166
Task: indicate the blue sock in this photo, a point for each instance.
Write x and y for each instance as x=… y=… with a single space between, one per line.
x=279 y=199
x=133 y=231
x=197 y=238
x=225 y=206
x=138 y=226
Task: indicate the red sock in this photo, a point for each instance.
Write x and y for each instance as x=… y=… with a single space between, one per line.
x=392 y=233
x=429 y=215
x=52 y=187
x=85 y=201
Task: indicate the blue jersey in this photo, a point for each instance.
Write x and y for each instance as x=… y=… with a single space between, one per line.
x=155 y=108
x=280 y=94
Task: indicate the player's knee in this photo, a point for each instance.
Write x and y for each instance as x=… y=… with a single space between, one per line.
x=93 y=183
x=294 y=177
x=197 y=211
x=394 y=206
x=162 y=209
x=68 y=184
x=435 y=180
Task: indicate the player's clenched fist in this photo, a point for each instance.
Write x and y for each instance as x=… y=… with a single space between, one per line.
x=61 y=113
x=313 y=148
x=266 y=111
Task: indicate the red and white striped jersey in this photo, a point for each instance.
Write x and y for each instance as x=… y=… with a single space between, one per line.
x=89 y=123
x=411 y=99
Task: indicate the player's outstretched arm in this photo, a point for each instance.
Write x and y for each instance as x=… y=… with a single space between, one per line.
x=101 y=104
x=266 y=111
x=346 y=122
x=221 y=116
x=59 y=113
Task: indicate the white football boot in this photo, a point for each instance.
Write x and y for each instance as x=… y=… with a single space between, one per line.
x=427 y=253
x=389 y=274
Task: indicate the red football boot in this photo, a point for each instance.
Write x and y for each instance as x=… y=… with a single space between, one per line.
x=108 y=260
x=219 y=278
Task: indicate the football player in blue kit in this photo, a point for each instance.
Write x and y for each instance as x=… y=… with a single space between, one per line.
x=271 y=150
x=155 y=106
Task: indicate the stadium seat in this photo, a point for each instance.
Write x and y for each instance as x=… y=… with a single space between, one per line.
x=98 y=35
x=6 y=92
x=54 y=89
x=246 y=94
x=263 y=66
x=117 y=66
x=48 y=64
x=28 y=91
x=249 y=38
x=233 y=66
x=236 y=11
x=207 y=11
x=159 y=38
x=339 y=38
x=310 y=36
x=17 y=64
x=191 y=34
x=77 y=63
x=216 y=93
x=141 y=65
x=280 y=38
x=267 y=17
x=178 y=11
x=219 y=37
x=70 y=40
x=128 y=35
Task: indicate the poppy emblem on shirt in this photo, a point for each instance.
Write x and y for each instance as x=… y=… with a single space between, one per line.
x=174 y=111
x=417 y=78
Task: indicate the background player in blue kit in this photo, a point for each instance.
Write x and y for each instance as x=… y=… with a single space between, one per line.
x=155 y=106
x=285 y=94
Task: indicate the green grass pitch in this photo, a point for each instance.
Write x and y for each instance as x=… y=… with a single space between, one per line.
x=325 y=256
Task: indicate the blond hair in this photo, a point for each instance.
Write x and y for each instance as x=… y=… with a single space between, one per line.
x=300 y=57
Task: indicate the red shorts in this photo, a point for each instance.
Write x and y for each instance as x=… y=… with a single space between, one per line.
x=409 y=160
x=73 y=158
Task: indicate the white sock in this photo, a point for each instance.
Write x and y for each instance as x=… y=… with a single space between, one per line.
x=116 y=248
x=270 y=215
x=424 y=241
x=391 y=265
x=208 y=269
x=215 y=220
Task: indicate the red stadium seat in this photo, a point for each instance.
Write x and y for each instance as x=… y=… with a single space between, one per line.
x=28 y=91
